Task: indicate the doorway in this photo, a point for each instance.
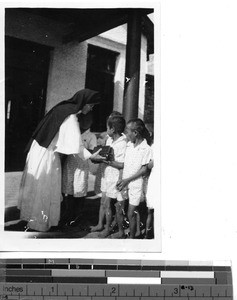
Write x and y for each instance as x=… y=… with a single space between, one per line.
x=26 y=72
x=100 y=77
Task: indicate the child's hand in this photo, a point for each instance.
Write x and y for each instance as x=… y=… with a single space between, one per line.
x=150 y=164
x=121 y=184
x=95 y=157
x=108 y=162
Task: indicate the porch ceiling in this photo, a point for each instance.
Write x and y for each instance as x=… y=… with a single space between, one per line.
x=86 y=23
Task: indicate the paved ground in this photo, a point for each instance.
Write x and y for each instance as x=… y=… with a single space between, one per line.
x=89 y=216
x=12 y=214
x=81 y=229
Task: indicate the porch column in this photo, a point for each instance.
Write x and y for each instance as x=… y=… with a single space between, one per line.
x=132 y=69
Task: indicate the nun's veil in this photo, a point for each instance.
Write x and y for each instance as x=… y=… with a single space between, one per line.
x=50 y=124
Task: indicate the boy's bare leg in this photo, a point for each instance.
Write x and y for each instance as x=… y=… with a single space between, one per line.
x=138 y=230
x=132 y=217
x=120 y=218
x=108 y=217
x=114 y=222
x=100 y=225
x=149 y=223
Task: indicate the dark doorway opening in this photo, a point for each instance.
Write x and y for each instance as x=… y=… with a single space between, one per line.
x=100 y=77
x=149 y=100
x=26 y=72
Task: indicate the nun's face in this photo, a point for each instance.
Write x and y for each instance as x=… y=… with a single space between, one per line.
x=86 y=108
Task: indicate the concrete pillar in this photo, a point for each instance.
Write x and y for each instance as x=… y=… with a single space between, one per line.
x=132 y=70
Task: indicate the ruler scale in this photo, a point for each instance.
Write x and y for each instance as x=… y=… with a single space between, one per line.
x=105 y=279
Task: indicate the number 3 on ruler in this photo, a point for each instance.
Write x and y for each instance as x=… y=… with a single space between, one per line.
x=176 y=291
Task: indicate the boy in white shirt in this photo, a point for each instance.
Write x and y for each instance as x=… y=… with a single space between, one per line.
x=113 y=169
x=103 y=140
x=137 y=157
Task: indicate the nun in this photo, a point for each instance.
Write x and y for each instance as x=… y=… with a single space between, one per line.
x=58 y=134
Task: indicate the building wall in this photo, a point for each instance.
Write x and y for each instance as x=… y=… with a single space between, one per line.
x=67 y=69
x=67 y=61
x=143 y=66
x=115 y=40
x=67 y=72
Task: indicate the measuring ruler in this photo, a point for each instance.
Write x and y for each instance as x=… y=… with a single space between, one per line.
x=107 y=279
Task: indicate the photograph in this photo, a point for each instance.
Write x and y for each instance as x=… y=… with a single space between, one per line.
x=118 y=144
x=82 y=120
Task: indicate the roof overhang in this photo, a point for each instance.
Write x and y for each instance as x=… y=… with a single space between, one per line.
x=86 y=23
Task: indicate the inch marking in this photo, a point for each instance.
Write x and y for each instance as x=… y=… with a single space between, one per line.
x=134 y=285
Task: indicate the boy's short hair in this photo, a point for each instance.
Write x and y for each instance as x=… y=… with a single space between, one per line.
x=140 y=127
x=118 y=123
x=115 y=113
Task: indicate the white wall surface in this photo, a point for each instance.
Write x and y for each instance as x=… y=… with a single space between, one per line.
x=143 y=68
x=67 y=72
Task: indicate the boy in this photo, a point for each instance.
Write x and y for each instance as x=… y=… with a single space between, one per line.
x=75 y=174
x=104 y=140
x=149 y=201
x=112 y=171
x=137 y=157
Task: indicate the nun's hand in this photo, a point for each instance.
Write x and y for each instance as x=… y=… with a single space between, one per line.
x=96 y=158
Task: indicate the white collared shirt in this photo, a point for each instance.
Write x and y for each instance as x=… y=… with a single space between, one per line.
x=135 y=158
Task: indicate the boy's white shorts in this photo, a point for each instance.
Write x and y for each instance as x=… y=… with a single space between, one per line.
x=110 y=190
x=134 y=194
